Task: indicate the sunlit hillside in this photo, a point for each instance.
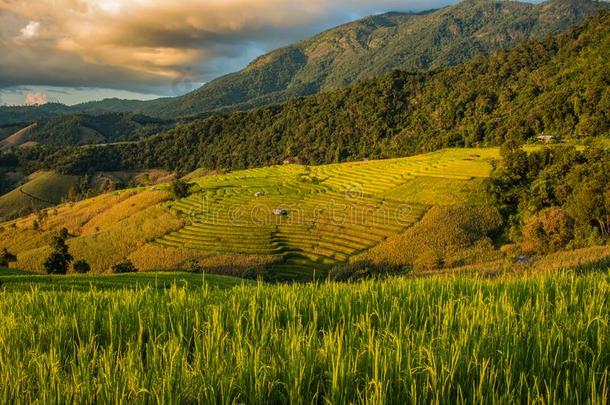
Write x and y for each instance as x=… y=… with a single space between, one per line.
x=292 y=220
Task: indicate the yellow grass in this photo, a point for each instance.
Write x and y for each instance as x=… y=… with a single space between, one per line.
x=124 y=209
x=108 y=247
x=153 y=257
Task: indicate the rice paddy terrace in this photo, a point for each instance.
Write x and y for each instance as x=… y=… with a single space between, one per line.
x=312 y=218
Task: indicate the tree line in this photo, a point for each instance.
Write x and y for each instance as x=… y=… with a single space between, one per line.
x=554 y=198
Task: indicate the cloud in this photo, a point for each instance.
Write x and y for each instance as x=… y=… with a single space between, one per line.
x=30 y=30
x=35 y=98
x=146 y=45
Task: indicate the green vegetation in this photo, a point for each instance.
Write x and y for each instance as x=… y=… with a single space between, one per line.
x=180 y=189
x=81 y=267
x=557 y=86
x=555 y=197
x=436 y=340
x=15 y=280
x=82 y=129
x=126 y=266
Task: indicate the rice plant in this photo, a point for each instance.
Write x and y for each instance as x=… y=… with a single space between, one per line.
x=437 y=340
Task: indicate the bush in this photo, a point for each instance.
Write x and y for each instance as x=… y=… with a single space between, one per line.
x=194 y=266
x=125 y=266
x=6 y=258
x=81 y=267
x=180 y=189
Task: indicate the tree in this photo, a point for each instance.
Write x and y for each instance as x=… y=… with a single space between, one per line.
x=548 y=231
x=60 y=258
x=6 y=258
x=180 y=189
x=590 y=204
x=81 y=267
x=126 y=266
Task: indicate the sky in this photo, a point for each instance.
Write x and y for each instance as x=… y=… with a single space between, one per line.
x=72 y=51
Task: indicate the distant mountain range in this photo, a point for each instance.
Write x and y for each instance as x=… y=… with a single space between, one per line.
x=356 y=51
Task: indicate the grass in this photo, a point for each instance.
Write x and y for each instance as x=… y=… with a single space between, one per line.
x=42 y=190
x=14 y=280
x=334 y=212
x=440 y=340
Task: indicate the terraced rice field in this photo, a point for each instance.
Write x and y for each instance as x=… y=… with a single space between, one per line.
x=331 y=212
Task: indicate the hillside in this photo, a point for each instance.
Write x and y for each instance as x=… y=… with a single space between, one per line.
x=84 y=129
x=40 y=190
x=557 y=86
x=299 y=222
x=367 y=48
x=332 y=213
x=376 y=45
x=19 y=137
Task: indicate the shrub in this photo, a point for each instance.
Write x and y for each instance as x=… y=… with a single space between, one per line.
x=6 y=258
x=194 y=266
x=81 y=267
x=180 y=189
x=125 y=266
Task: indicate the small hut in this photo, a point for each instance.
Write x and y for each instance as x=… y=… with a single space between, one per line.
x=546 y=138
x=292 y=161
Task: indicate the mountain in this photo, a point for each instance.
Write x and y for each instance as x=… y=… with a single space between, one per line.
x=356 y=51
x=375 y=46
x=558 y=86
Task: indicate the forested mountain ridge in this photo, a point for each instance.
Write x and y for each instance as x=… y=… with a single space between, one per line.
x=376 y=45
x=558 y=86
x=84 y=129
x=356 y=51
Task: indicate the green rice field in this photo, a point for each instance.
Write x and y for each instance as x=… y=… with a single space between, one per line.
x=14 y=280
x=440 y=340
x=331 y=212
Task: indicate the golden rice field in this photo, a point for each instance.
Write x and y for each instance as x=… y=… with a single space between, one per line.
x=328 y=214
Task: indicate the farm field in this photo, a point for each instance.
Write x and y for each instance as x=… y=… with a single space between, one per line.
x=332 y=212
x=14 y=280
x=327 y=214
x=542 y=339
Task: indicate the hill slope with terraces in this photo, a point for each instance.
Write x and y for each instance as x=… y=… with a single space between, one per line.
x=290 y=221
